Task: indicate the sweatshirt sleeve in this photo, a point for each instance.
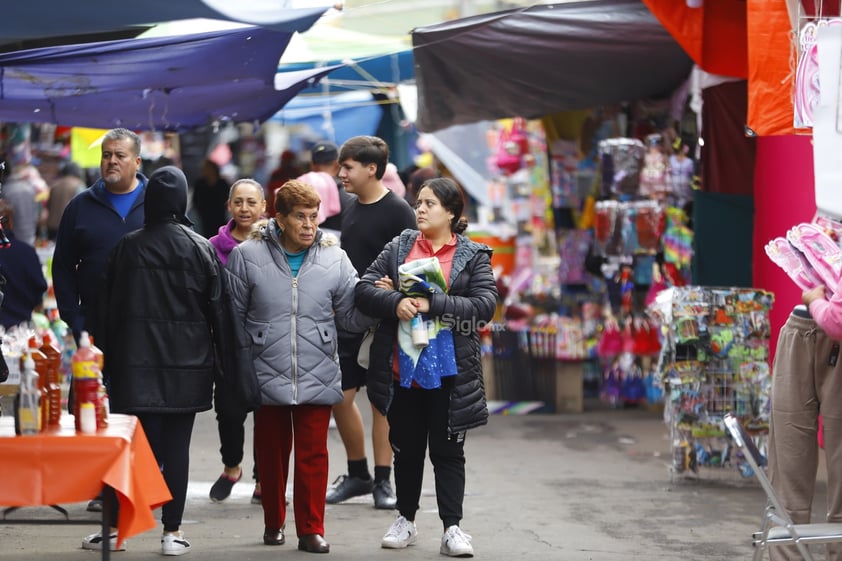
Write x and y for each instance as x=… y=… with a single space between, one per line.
x=828 y=314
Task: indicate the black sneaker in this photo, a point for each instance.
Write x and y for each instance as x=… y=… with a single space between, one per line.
x=347 y=486
x=94 y=505
x=220 y=490
x=384 y=496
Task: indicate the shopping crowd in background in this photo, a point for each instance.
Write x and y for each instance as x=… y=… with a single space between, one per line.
x=263 y=299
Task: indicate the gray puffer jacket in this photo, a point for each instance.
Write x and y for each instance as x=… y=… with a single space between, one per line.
x=292 y=322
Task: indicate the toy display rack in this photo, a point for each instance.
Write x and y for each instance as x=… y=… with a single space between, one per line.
x=714 y=360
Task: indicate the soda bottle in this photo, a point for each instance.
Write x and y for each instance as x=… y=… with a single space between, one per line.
x=41 y=366
x=27 y=401
x=85 y=380
x=53 y=381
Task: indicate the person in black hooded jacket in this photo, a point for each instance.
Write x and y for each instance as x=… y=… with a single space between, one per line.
x=163 y=325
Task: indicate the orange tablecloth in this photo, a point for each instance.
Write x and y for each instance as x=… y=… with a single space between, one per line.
x=60 y=466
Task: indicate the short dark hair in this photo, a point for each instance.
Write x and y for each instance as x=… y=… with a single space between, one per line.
x=295 y=193
x=124 y=134
x=366 y=150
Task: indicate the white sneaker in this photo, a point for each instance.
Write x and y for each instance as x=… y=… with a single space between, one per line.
x=401 y=534
x=456 y=543
x=174 y=544
x=94 y=541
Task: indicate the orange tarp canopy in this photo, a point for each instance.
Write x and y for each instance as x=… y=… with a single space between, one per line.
x=714 y=36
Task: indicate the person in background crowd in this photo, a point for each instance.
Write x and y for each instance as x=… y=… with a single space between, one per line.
x=92 y=224
x=68 y=185
x=392 y=181
x=21 y=190
x=368 y=223
x=418 y=177
x=293 y=287
x=210 y=197
x=287 y=169
x=163 y=323
x=324 y=158
x=439 y=407
x=22 y=279
x=246 y=206
x=325 y=185
x=806 y=383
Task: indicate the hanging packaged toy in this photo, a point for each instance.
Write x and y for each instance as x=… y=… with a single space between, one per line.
x=512 y=146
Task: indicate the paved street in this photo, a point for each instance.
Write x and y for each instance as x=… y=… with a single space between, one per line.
x=573 y=487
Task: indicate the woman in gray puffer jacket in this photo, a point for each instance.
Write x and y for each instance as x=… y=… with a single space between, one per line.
x=292 y=286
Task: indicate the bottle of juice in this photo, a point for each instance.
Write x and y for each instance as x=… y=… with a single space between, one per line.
x=85 y=379
x=53 y=382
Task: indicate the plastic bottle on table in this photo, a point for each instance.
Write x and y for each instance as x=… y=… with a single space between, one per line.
x=102 y=404
x=28 y=398
x=85 y=380
x=41 y=367
x=53 y=381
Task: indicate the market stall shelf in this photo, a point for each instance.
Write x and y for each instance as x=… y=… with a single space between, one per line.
x=527 y=368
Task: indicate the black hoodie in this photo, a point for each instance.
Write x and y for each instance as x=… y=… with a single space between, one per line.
x=162 y=322
x=166 y=197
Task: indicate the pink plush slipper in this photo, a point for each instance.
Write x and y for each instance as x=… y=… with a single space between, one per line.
x=820 y=250
x=793 y=262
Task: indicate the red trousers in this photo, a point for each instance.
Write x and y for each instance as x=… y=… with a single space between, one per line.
x=276 y=430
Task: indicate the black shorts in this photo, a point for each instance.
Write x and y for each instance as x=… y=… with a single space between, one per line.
x=353 y=375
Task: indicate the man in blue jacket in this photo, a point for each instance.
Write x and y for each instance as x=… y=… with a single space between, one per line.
x=92 y=224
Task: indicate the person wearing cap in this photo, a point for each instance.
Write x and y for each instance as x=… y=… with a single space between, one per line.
x=324 y=160
x=163 y=318
x=324 y=155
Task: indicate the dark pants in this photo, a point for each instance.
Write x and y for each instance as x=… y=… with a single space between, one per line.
x=169 y=437
x=277 y=429
x=232 y=437
x=418 y=417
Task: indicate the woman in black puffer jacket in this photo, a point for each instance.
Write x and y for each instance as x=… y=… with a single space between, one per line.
x=441 y=410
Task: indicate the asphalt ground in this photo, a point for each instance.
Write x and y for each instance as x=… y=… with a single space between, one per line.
x=594 y=486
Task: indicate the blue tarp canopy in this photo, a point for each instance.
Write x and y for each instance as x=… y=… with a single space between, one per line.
x=367 y=73
x=333 y=117
x=167 y=83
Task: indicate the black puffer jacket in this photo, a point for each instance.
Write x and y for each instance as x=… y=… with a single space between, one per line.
x=162 y=322
x=468 y=304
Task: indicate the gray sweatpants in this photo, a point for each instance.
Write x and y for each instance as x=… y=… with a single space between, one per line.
x=806 y=381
